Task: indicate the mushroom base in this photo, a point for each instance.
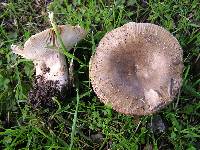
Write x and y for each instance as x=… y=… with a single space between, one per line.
x=43 y=91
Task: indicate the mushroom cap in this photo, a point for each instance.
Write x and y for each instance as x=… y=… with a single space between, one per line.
x=41 y=45
x=137 y=68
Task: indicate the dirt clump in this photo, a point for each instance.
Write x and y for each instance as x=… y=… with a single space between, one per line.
x=40 y=96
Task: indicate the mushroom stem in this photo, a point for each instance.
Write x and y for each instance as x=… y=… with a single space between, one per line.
x=55 y=69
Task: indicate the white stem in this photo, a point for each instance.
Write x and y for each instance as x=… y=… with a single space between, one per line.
x=54 y=68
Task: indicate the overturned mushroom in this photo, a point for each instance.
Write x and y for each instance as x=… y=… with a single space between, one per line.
x=51 y=68
x=137 y=68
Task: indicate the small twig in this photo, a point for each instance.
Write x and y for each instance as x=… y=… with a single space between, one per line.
x=178 y=98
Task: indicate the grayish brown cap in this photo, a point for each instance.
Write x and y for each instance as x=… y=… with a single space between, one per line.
x=137 y=68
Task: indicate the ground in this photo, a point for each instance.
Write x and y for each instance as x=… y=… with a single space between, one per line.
x=95 y=126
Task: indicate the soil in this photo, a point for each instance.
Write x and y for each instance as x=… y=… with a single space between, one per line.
x=40 y=96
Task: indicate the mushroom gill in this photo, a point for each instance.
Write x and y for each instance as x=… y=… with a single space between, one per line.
x=137 y=68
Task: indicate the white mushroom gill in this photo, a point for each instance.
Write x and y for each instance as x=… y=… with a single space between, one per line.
x=43 y=49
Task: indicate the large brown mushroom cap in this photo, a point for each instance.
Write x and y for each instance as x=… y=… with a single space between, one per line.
x=137 y=68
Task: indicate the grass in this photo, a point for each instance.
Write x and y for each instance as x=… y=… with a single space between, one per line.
x=96 y=126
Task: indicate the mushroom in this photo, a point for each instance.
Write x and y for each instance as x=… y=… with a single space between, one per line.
x=137 y=68
x=51 y=68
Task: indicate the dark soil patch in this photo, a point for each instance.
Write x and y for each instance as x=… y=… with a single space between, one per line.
x=40 y=96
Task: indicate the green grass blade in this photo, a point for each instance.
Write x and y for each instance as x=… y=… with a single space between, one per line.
x=74 y=120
